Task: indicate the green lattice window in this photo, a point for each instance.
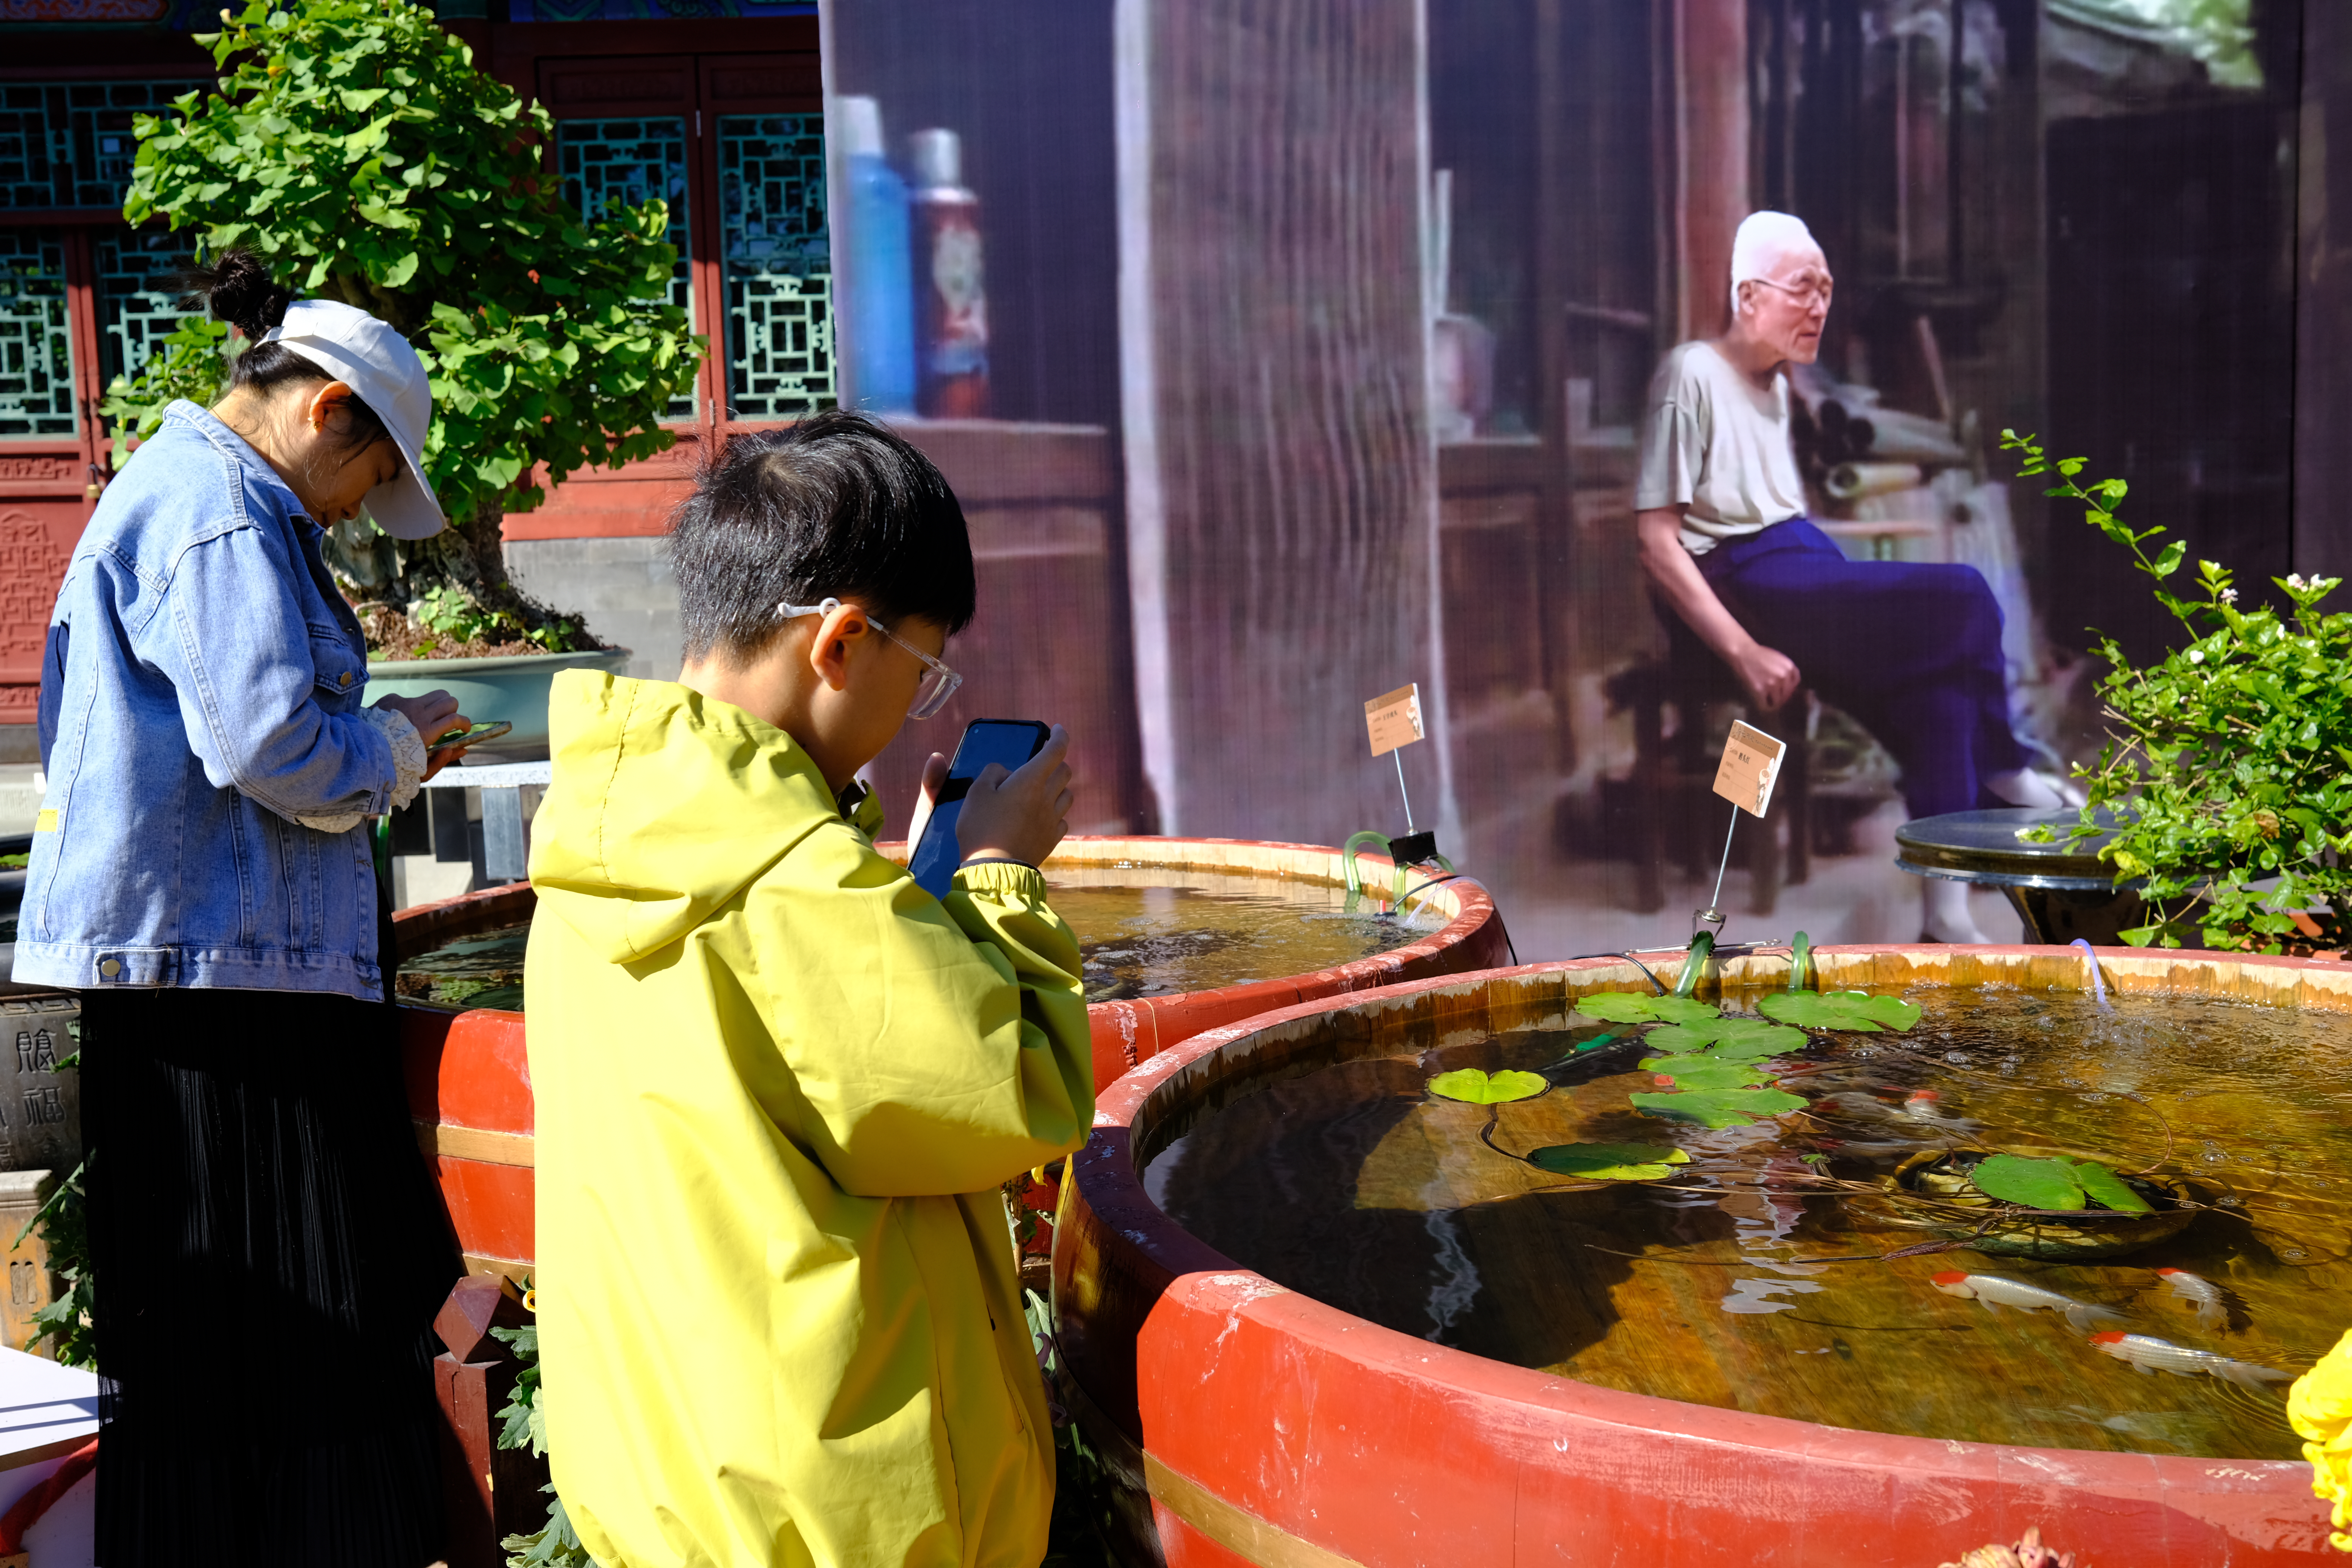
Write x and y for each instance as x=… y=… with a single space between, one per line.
x=69 y=145
x=37 y=382
x=610 y=163
x=135 y=308
x=777 y=259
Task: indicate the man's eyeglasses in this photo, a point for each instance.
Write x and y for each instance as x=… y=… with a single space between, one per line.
x=939 y=682
x=1807 y=291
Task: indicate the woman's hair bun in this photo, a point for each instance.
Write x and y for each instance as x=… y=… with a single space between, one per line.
x=237 y=288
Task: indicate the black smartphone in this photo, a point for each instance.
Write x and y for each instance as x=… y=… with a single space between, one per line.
x=473 y=737
x=1010 y=741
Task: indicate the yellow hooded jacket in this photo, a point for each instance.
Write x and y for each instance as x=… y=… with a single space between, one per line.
x=766 y=1065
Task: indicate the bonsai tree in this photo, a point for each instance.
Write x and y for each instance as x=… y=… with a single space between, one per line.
x=2230 y=760
x=354 y=148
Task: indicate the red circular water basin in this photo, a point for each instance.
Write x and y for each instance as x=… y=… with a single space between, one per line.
x=468 y=1073
x=1241 y=1421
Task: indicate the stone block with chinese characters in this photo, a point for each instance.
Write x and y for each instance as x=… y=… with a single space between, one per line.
x=40 y=1107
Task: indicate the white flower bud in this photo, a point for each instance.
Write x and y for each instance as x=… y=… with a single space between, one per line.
x=2196 y=656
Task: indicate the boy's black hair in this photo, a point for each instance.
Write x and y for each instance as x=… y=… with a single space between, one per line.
x=836 y=506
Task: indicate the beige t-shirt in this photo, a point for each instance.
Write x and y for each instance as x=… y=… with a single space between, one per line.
x=1717 y=444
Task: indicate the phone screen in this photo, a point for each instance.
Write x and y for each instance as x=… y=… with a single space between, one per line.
x=1010 y=741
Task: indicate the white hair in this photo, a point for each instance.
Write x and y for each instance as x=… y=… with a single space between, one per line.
x=1765 y=237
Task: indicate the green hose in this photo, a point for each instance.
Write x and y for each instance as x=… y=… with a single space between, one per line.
x=1702 y=947
x=1348 y=860
x=1356 y=877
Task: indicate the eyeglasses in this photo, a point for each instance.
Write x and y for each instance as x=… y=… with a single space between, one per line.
x=939 y=682
x=1806 y=292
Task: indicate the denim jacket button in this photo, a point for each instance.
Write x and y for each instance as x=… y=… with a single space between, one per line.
x=344 y=678
x=109 y=967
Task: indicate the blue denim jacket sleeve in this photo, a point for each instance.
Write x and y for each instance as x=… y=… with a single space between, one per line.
x=231 y=636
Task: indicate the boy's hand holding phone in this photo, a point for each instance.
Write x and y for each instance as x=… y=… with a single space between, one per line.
x=1021 y=815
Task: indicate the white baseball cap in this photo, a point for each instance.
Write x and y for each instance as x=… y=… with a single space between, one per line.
x=379 y=366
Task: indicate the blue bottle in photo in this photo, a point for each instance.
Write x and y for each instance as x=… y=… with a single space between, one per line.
x=879 y=326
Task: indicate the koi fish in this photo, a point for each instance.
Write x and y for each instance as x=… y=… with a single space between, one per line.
x=2212 y=1303
x=1920 y=1110
x=1995 y=1292
x=2152 y=1356
x=1922 y=1105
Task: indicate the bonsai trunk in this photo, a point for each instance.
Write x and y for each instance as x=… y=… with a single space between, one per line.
x=464 y=563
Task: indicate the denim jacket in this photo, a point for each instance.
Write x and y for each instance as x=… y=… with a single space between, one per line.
x=210 y=695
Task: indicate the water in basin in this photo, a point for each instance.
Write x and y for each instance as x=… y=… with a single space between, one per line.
x=1197 y=931
x=1140 y=933
x=1733 y=1282
x=480 y=971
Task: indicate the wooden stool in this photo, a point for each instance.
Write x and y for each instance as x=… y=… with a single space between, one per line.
x=1674 y=778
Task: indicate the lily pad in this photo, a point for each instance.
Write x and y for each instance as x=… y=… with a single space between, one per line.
x=1746 y=1040
x=1474 y=1087
x=1750 y=1037
x=1610 y=1161
x=2109 y=1190
x=1718 y=1107
x=1707 y=1072
x=1640 y=1007
x=2036 y=1184
x=1855 y=1010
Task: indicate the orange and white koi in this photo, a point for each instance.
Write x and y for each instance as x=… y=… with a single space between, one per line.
x=2152 y=1356
x=1925 y=1105
x=2212 y=1303
x=1995 y=1292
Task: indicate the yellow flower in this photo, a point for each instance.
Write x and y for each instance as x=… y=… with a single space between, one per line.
x=530 y=1301
x=2320 y=1405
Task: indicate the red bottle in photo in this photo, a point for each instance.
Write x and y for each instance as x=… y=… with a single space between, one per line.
x=950 y=287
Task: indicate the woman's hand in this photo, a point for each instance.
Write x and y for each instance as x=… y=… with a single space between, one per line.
x=1770 y=675
x=435 y=714
x=1019 y=815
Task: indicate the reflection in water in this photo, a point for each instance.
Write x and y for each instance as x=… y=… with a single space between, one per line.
x=483 y=970
x=1134 y=941
x=1729 y=1283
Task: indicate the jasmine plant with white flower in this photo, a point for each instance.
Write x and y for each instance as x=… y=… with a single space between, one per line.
x=2228 y=762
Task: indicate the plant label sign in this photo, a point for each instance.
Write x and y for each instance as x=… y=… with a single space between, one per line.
x=1751 y=762
x=1394 y=720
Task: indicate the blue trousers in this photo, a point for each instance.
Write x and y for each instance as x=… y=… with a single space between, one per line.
x=1912 y=651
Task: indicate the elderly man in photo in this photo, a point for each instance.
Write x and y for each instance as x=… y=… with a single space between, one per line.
x=1912 y=651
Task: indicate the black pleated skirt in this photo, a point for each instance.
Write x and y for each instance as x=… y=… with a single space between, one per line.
x=269 y=1257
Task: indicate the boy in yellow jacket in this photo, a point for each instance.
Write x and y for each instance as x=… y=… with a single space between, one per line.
x=778 y=1084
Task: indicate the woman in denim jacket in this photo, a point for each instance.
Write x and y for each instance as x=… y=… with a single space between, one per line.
x=268 y=1249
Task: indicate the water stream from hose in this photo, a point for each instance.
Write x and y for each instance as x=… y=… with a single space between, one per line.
x=2089 y=957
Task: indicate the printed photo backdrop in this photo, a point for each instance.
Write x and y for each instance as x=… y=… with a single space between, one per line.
x=1288 y=352
x=1318 y=336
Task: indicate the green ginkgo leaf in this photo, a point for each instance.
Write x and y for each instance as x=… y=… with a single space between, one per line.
x=1640 y=1007
x=2109 y=1190
x=1610 y=1161
x=2036 y=1184
x=1709 y=1072
x=1476 y=1088
x=1718 y=1107
x=1854 y=1010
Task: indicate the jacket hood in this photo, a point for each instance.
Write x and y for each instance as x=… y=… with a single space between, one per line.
x=662 y=806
